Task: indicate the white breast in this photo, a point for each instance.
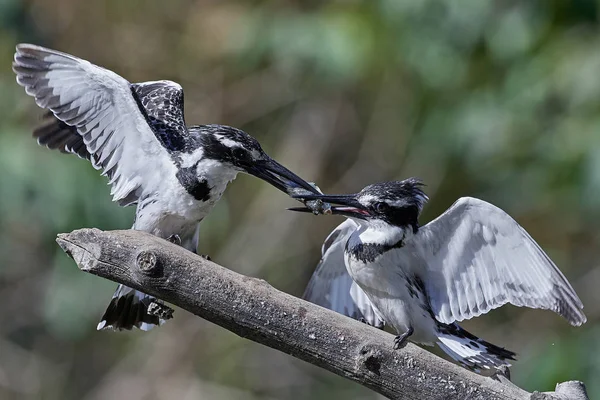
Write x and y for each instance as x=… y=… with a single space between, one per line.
x=389 y=283
x=173 y=211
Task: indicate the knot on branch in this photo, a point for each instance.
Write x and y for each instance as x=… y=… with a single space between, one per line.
x=147 y=262
x=371 y=359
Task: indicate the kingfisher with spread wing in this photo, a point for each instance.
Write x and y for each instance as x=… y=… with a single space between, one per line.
x=381 y=266
x=135 y=133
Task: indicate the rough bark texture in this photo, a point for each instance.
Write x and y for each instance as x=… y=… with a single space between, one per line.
x=253 y=309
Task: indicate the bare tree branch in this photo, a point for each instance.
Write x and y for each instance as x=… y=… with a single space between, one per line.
x=253 y=309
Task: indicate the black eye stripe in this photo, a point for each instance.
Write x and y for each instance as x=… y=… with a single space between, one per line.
x=240 y=154
x=211 y=138
x=396 y=215
x=403 y=216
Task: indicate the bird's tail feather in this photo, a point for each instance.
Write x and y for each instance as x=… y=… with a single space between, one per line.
x=471 y=351
x=127 y=309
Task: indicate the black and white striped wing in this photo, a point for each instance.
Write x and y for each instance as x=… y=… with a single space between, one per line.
x=479 y=258
x=332 y=287
x=121 y=137
x=55 y=134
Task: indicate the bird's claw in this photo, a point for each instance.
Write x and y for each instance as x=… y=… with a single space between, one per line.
x=160 y=310
x=175 y=239
x=206 y=257
x=400 y=340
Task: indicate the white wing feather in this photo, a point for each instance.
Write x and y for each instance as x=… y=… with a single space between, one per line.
x=483 y=259
x=99 y=103
x=332 y=287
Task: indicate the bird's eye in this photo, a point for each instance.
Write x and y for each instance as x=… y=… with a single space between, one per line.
x=239 y=153
x=381 y=207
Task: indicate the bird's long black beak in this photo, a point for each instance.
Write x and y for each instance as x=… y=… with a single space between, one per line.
x=279 y=176
x=345 y=204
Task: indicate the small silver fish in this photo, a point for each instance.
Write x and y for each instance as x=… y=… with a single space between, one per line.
x=316 y=206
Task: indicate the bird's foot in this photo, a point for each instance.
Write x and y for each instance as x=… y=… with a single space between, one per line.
x=206 y=257
x=400 y=340
x=160 y=310
x=175 y=239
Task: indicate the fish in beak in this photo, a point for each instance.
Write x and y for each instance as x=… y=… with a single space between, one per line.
x=345 y=204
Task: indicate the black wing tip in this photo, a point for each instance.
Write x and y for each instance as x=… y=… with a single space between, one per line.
x=24 y=46
x=26 y=55
x=30 y=49
x=29 y=63
x=568 y=305
x=577 y=319
x=55 y=134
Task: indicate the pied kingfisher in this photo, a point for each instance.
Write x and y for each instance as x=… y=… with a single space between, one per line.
x=136 y=134
x=381 y=266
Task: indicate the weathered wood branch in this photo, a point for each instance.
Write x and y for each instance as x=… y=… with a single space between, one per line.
x=253 y=309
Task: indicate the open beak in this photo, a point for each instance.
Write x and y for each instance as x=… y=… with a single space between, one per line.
x=344 y=204
x=279 y=176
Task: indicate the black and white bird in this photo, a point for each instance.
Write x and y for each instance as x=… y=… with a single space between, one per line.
x=136 y=134
x=332 y=287
x=423 y=280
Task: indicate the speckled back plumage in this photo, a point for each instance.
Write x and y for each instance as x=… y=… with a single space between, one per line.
x=161 y=102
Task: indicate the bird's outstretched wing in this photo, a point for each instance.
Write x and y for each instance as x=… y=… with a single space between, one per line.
x=121 y=125
x=55 y=134
x=332 y=287
x=482 y=259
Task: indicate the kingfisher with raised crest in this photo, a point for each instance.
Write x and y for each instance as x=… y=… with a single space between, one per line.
x=383 y=267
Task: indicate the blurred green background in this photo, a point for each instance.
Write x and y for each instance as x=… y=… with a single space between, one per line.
x=493 y=99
